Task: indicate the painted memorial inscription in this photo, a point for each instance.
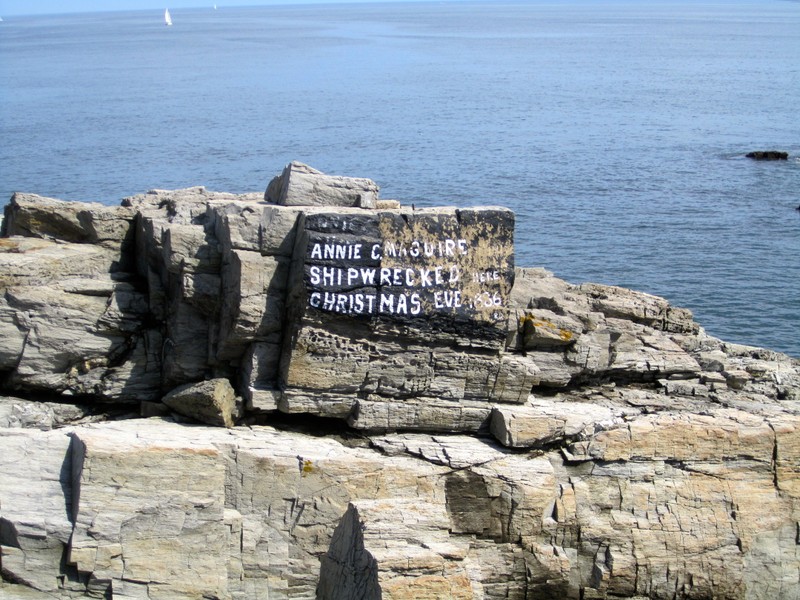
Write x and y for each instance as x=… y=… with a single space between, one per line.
x=411 y=264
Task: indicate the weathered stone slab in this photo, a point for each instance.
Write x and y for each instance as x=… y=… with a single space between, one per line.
x=188 y=248
x=724 y=435
x=258 y=375
x=301 y=185
x=29 y=261
x=638 y=307
x=77 y=222
x=186 y=348
x=543 y=421
x=403 y=304
x=408 y=264
x=541 y=328
x=212 y=402
x=392 y=549
x=150 y=508
x=72 y=324
x=433 y=414
x=28 y=414
x=264 y=228
x=150 y=521
x=36 y=503
x=253 y=299
x=292 y=490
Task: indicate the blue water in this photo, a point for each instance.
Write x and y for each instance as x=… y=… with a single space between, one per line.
x=615 y=129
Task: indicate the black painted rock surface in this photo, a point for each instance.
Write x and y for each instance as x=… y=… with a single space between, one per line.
x=402 y=306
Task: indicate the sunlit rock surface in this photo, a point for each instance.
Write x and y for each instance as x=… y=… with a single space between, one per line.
x=353 y=399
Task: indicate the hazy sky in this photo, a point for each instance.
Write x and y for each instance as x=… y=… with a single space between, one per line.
x=29 y=7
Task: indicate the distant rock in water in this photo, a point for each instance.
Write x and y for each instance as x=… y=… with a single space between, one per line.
x=768 y=155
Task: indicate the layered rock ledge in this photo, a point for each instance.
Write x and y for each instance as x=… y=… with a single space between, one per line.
x=315 y=393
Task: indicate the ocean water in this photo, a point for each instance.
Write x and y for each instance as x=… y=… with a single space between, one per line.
x=616 y=129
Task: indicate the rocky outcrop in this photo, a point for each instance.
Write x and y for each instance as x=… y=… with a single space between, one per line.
x=301 y=185
x=768 y=155
x=387 y=408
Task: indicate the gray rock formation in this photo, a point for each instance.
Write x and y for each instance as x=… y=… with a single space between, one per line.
x=301 y=185
x=389 y=409
x=212 y=402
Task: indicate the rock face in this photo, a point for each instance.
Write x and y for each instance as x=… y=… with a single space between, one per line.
x=397 y=318
x=301 y=185
x=389 y=409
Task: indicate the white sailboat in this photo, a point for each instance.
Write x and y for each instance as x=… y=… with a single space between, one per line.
x=167 y=18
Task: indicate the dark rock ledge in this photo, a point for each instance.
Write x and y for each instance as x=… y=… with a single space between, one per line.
x=314 y=392
x=768 y=155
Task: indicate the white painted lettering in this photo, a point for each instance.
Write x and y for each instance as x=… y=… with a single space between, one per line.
x=455 y=274
x=368 y=276
x=402 y=305
x=397 y=276
x=410 y=278
x=314 y=275
x=386 y=303
x=341 y=286
x=341 y=300
x=452 y=299
x=416 y=304
x=328 y=301
x=425 y=276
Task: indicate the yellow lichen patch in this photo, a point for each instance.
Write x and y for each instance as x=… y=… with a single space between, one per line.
x=307 y=467
x=527 y=324
x=526 y=318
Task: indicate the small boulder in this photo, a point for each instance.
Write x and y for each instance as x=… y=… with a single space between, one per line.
x=301 y=185
x=212 y=402
x=768 y=155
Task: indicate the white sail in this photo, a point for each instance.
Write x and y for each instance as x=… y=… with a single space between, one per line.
x=167 y=17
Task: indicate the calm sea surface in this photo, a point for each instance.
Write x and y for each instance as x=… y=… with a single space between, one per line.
x=615 y=129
